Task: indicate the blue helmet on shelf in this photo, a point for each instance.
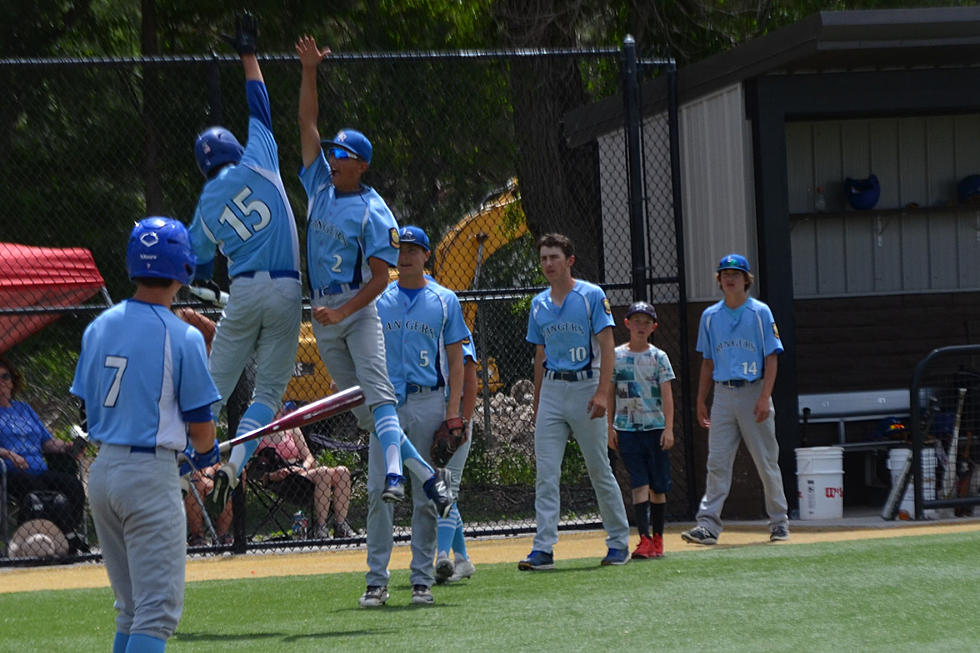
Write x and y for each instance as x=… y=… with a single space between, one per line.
x=214 y=147
x=862 y=194
x=968 y=190
x=161 y=248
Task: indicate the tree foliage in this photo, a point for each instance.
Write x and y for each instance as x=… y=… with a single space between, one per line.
x=446 y=133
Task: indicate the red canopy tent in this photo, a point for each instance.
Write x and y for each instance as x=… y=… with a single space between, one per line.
x=41 y=277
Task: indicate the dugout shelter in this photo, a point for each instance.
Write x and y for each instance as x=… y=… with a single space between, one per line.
x=769 y=134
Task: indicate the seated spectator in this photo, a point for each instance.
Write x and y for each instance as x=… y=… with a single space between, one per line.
x=23 y=442
x=328 y=482
x=203 y=481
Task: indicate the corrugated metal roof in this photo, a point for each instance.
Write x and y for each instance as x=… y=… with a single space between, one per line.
x=826 y=41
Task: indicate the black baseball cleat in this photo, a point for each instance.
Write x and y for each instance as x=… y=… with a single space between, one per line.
x=225 y=481
x=394 y=491
x=439 y=490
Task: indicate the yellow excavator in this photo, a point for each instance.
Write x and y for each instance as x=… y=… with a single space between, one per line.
x=458 y=260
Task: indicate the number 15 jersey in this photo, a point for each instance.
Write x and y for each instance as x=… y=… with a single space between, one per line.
x=243 y=209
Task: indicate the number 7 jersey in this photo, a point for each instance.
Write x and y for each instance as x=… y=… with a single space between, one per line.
x=140 y=370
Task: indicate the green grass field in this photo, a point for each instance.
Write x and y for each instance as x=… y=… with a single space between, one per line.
x=900 y=594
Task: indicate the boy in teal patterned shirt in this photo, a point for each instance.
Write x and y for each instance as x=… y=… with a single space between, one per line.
x=642 y=425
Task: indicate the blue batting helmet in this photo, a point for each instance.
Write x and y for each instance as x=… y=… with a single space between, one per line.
x=160 y=247
x=968 y=190
x=862 y=194
x=216 y=146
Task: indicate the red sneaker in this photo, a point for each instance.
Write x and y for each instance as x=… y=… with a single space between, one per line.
x=657 y=542
x=645 y=549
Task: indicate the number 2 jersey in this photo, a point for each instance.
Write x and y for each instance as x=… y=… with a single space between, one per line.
x=142 y=373
x=244 y=209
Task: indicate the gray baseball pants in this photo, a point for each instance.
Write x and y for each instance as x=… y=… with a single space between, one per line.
x=139 y=518
x=732 y=420
x=420 y=416
x=353 y=352
x=562 y=410
x=262 y=316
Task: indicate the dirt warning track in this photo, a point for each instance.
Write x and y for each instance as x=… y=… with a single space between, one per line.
x=589 y=544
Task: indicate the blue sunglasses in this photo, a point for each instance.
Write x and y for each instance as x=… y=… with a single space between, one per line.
x=341 y=153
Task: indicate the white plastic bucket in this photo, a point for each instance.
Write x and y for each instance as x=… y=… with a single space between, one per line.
x=896 y=463
x=820 y=482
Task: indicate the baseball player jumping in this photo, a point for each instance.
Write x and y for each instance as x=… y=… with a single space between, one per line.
x=143 y=379
x=423 y=331
x=244 y=211
x=352 y=239
x=570 y=325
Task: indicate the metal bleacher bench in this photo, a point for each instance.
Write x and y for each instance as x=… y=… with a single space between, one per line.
x=859 y=406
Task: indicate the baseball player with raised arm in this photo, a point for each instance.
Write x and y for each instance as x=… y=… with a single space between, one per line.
x=351 y=241
x=143 y=378
x=423 y=335
x=570 y=325
x=740 y=346
x=243 y=210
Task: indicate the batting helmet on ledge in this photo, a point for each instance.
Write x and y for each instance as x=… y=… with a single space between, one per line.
x=214 y=147
x=862 y=194
x=160 y=247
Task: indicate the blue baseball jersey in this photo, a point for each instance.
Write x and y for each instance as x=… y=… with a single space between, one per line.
x=22 y=432
x=141 y=369
x=568 y=331
x=738 y=340
x=244 y=209
x=417 y=327
x=344 y=229
x=637 y=377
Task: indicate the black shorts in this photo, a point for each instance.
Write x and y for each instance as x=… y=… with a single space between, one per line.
x=646 y=462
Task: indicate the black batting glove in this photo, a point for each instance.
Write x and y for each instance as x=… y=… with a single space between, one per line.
x=246 y=38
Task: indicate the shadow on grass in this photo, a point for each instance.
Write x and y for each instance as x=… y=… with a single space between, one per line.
x=191 y=637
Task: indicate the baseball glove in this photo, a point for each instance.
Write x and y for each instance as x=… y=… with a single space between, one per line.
x=246 y=35
x=203 y=324
x=450 y=435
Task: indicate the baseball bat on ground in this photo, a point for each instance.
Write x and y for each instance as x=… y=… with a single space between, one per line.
x=312 y=412
x=964 y=474
x=949 y=472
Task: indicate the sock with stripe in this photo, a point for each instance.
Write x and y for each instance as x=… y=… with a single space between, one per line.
x=447 y=530
x=389 y=433
x=459 y=542
x=257 y=416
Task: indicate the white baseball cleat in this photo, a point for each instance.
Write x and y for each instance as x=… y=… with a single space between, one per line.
x=464 y=569
x=374 y=597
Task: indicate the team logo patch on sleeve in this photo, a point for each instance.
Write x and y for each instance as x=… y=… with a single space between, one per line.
x=606 y=306
x=775 y=331
x=393 y=237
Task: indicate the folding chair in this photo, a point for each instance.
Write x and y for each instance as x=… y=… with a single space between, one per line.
x=277 y=498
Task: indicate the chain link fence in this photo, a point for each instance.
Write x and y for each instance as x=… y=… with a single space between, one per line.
x=468 y=146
